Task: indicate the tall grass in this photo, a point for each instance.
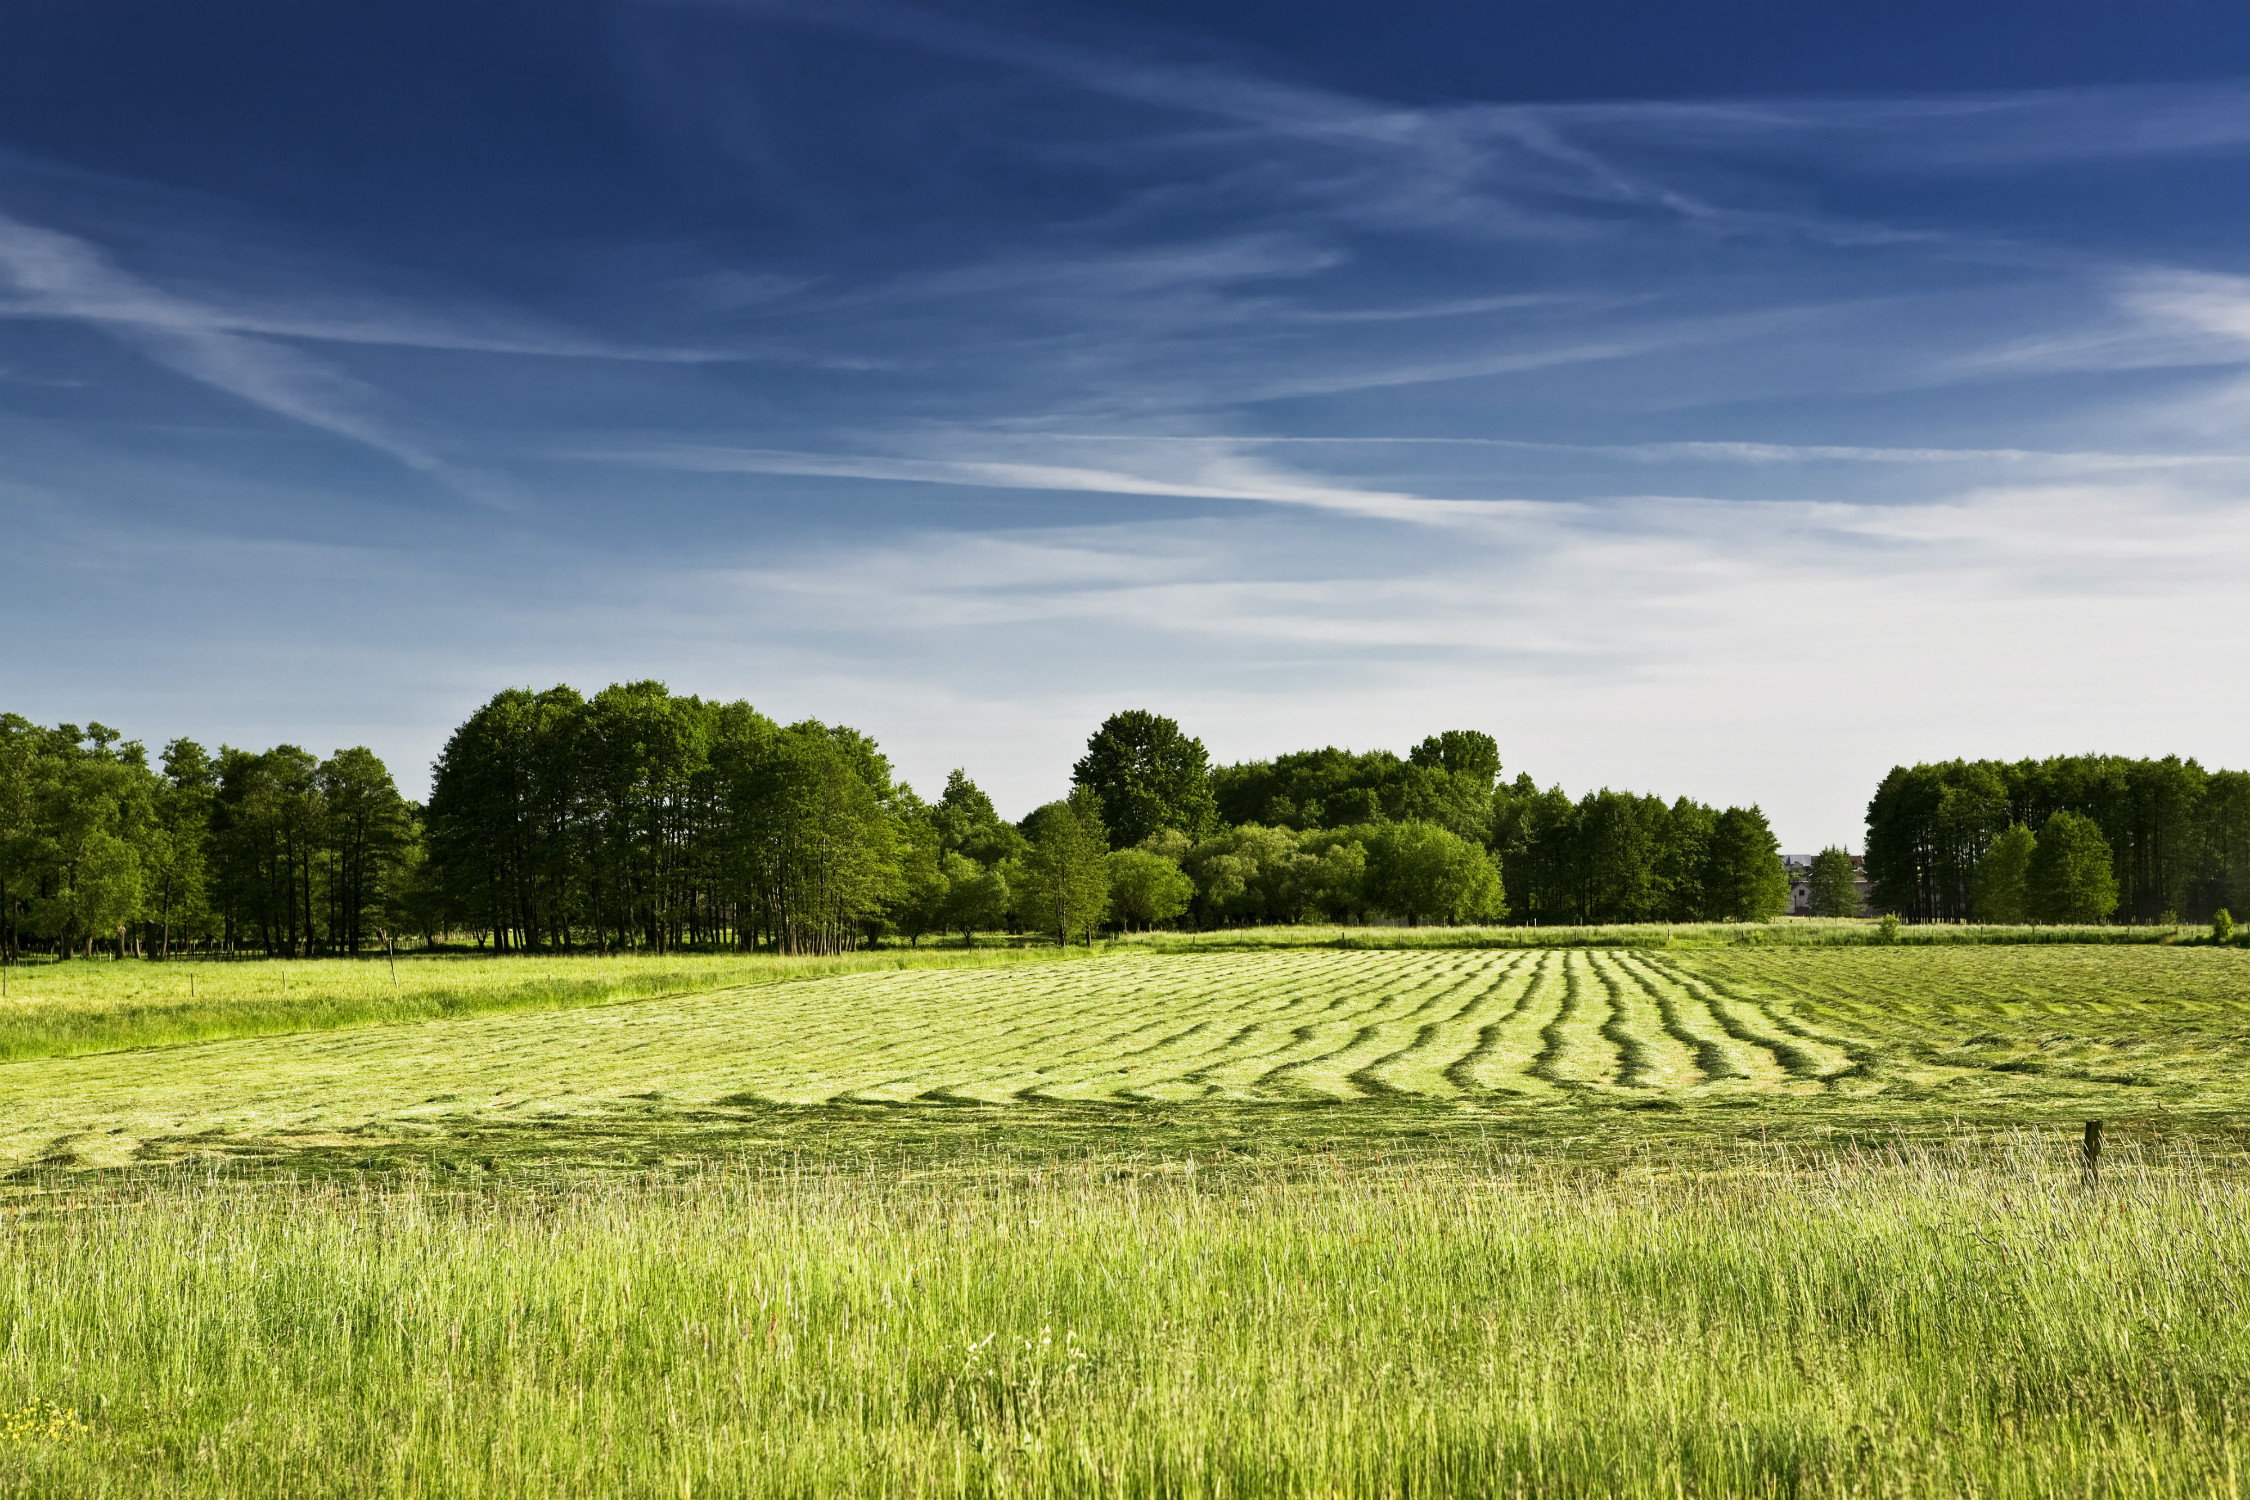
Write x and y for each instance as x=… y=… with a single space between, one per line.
x=1957 y=1321
x=66 y=1009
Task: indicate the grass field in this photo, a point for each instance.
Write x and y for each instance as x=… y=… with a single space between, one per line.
x=1726 y=1220
x=1732 y=1040
x=62 y=1009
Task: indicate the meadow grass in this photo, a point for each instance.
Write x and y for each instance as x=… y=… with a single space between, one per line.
x=1804 y=1043
x=94 y=1005
x=1963 y=1318
x=1731 y=1220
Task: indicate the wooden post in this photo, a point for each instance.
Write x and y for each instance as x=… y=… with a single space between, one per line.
x=2091 y=1153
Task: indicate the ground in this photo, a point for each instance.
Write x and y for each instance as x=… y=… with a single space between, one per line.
x=1593 y=1221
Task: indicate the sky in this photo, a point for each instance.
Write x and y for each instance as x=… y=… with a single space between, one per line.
x=1721 y=399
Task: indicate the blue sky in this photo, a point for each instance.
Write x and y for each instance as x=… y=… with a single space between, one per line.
x=1729 y=399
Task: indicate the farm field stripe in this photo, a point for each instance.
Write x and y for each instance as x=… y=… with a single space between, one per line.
x=1707 y=1045
x=1651 y=1057
x=1264 y=1028
x=1430 y=1035
x=1385 y=1025
x=1725 y=1055
x=1577 y=1054
x=1427 y=1065
x=1812 y=1059
x=1506 y=1045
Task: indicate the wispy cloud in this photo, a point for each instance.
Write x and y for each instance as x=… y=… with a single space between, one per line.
x=1211 y=471
x=54 y=275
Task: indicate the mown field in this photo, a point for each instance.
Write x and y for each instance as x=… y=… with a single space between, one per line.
x=1730 y=1220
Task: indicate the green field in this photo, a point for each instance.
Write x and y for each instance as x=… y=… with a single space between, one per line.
x=1758 y=1220
x=1523 y=1043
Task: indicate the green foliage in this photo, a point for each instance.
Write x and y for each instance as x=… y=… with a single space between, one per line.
x=967 y=824
x=1887 y=929
x=2072 y=876
x=1744 y=880
x=813 y=808
x=1146 y=776
x=925 y=890
x=1608 y=857
x=2003 y=877
x=1146 y=888
x=977 y=899
x=1835 y=888
x=1257 y=874
x=1064 y=888
x=2180 y=835
x=1423 y=872
x=1448 y=779
x=2222 y=926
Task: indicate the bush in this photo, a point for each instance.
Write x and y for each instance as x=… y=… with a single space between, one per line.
x=2222 y=926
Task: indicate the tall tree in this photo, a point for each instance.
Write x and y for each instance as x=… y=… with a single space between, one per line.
x=1835 y=885
x=1147 y=776
x=2072 y=876
x=366 y=826
x=1423 y=872
x=1146 y=888
x=177 y=851
x=2003 y=884
x=1744 y=880
x=968 y=824
x=821 y=843
x=1065 y=885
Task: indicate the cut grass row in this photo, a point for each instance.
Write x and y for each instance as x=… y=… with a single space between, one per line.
x=1791 y=1035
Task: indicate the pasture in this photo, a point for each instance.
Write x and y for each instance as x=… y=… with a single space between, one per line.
x=1443 y=1221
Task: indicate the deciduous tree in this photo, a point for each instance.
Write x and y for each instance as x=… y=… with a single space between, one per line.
x=2073 y=876
x=1146 y=776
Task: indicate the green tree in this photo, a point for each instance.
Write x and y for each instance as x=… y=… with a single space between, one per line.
x=1330 y=874
x=819 y=835
x=924 y=888
x=2073 y=874
x=2003 y=881
x=1423 y=872
x=1243 y=874
x=967 y=823
x=1743 y=877
x=1835 y=887
x=977 y=898
x=1065 y=883
x=1147 y=776
x=175 y=855
x=365 y=823
x=103 y=892
x=1146 y=888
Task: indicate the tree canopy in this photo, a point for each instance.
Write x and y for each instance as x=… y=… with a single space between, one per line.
x=1147 y=776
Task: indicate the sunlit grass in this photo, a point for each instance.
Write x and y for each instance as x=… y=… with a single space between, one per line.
x=1960 y=1320
x=61 y=1009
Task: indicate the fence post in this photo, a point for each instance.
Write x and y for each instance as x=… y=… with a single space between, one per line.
x=2090 y=1152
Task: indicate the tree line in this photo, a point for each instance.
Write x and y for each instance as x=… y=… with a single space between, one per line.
x=2079 y=838
x=277 y=851
x=642 y=820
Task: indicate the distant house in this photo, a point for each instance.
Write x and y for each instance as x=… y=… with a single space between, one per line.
x=1798 y=867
